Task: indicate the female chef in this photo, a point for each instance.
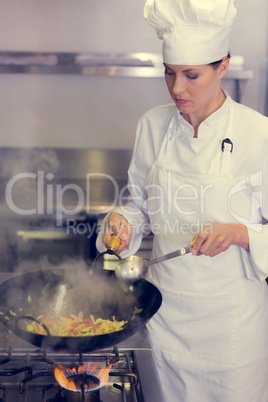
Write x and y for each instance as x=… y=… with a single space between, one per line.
x=199 y=174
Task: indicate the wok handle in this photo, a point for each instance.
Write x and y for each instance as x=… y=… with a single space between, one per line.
x=114 y=243
x=112 y=248
x=177 y=253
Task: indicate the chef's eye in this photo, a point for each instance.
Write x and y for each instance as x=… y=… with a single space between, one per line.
x=168 y=71
x=192 y=76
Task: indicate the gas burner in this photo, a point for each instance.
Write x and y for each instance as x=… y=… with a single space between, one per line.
x=91 y=396
x=27 y=373
x=94 y=377
x=82 y=378
x=70 y=396
x=83 y=383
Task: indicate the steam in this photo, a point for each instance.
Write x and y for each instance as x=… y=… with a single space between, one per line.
x=18 y=171
x=60 y=289
x=22 y=191
x=60 y=292
x=19 y=168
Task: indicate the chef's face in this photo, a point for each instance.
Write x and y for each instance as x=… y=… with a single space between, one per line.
x=195 y=89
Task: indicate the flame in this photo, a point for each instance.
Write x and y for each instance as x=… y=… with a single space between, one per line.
x=68 y=377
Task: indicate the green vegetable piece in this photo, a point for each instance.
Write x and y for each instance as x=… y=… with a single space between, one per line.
x=30 y=328
x=137 y=310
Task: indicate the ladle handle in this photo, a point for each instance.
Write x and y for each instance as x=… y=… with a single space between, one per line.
x=177 y=253
x=114 y=243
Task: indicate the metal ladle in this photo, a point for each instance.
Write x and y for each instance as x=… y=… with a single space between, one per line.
x=131 y=269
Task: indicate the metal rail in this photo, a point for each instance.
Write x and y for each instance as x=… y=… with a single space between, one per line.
x=147 y=65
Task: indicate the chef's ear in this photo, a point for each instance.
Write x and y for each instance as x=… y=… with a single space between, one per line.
x=223 y=67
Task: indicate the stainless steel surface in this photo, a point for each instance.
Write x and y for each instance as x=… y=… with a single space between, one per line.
x=132 y=378
x=113 y=64
x=122 y=65
x=177 y=253
x=131 y=269
x=136 y=65
x=36 y=381
x=81 y=182
x=139 y=65
x=68 y=194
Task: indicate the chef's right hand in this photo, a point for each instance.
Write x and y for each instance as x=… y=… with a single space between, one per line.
x=117 y=224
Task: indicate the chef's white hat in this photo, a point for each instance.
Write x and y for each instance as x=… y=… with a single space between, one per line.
x=193 y=31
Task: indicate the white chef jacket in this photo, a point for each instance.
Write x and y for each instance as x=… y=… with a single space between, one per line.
x=249 y=165
x=224 y=371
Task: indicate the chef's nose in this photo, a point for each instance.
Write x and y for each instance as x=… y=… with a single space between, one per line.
x=178 y=85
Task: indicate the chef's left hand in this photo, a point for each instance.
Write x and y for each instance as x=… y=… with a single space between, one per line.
x=215 y=239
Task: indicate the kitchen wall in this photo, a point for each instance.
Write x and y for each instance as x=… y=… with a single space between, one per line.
x=85 y=111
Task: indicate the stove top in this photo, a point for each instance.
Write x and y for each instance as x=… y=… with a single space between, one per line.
x=27 y=373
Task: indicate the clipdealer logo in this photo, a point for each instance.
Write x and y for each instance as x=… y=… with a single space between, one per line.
x=44 y=196
x=47 y=197
x=250 y=200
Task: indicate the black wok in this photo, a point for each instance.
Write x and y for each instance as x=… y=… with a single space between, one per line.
x=63 y=291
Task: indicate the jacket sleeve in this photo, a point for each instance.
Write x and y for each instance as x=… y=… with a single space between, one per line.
x=258 y=232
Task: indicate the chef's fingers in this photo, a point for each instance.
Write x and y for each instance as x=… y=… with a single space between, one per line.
x=202 y=241
x=212 y=240
x=118 y=225
x=124 y=233
x=208 y=247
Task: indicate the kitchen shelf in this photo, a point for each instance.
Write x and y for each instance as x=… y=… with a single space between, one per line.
x=123 y=65
x=139 y=65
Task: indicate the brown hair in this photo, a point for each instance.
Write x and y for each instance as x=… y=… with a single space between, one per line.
x=216 y=64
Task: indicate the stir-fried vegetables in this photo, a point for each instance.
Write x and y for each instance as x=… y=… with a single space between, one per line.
x=74 y=325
